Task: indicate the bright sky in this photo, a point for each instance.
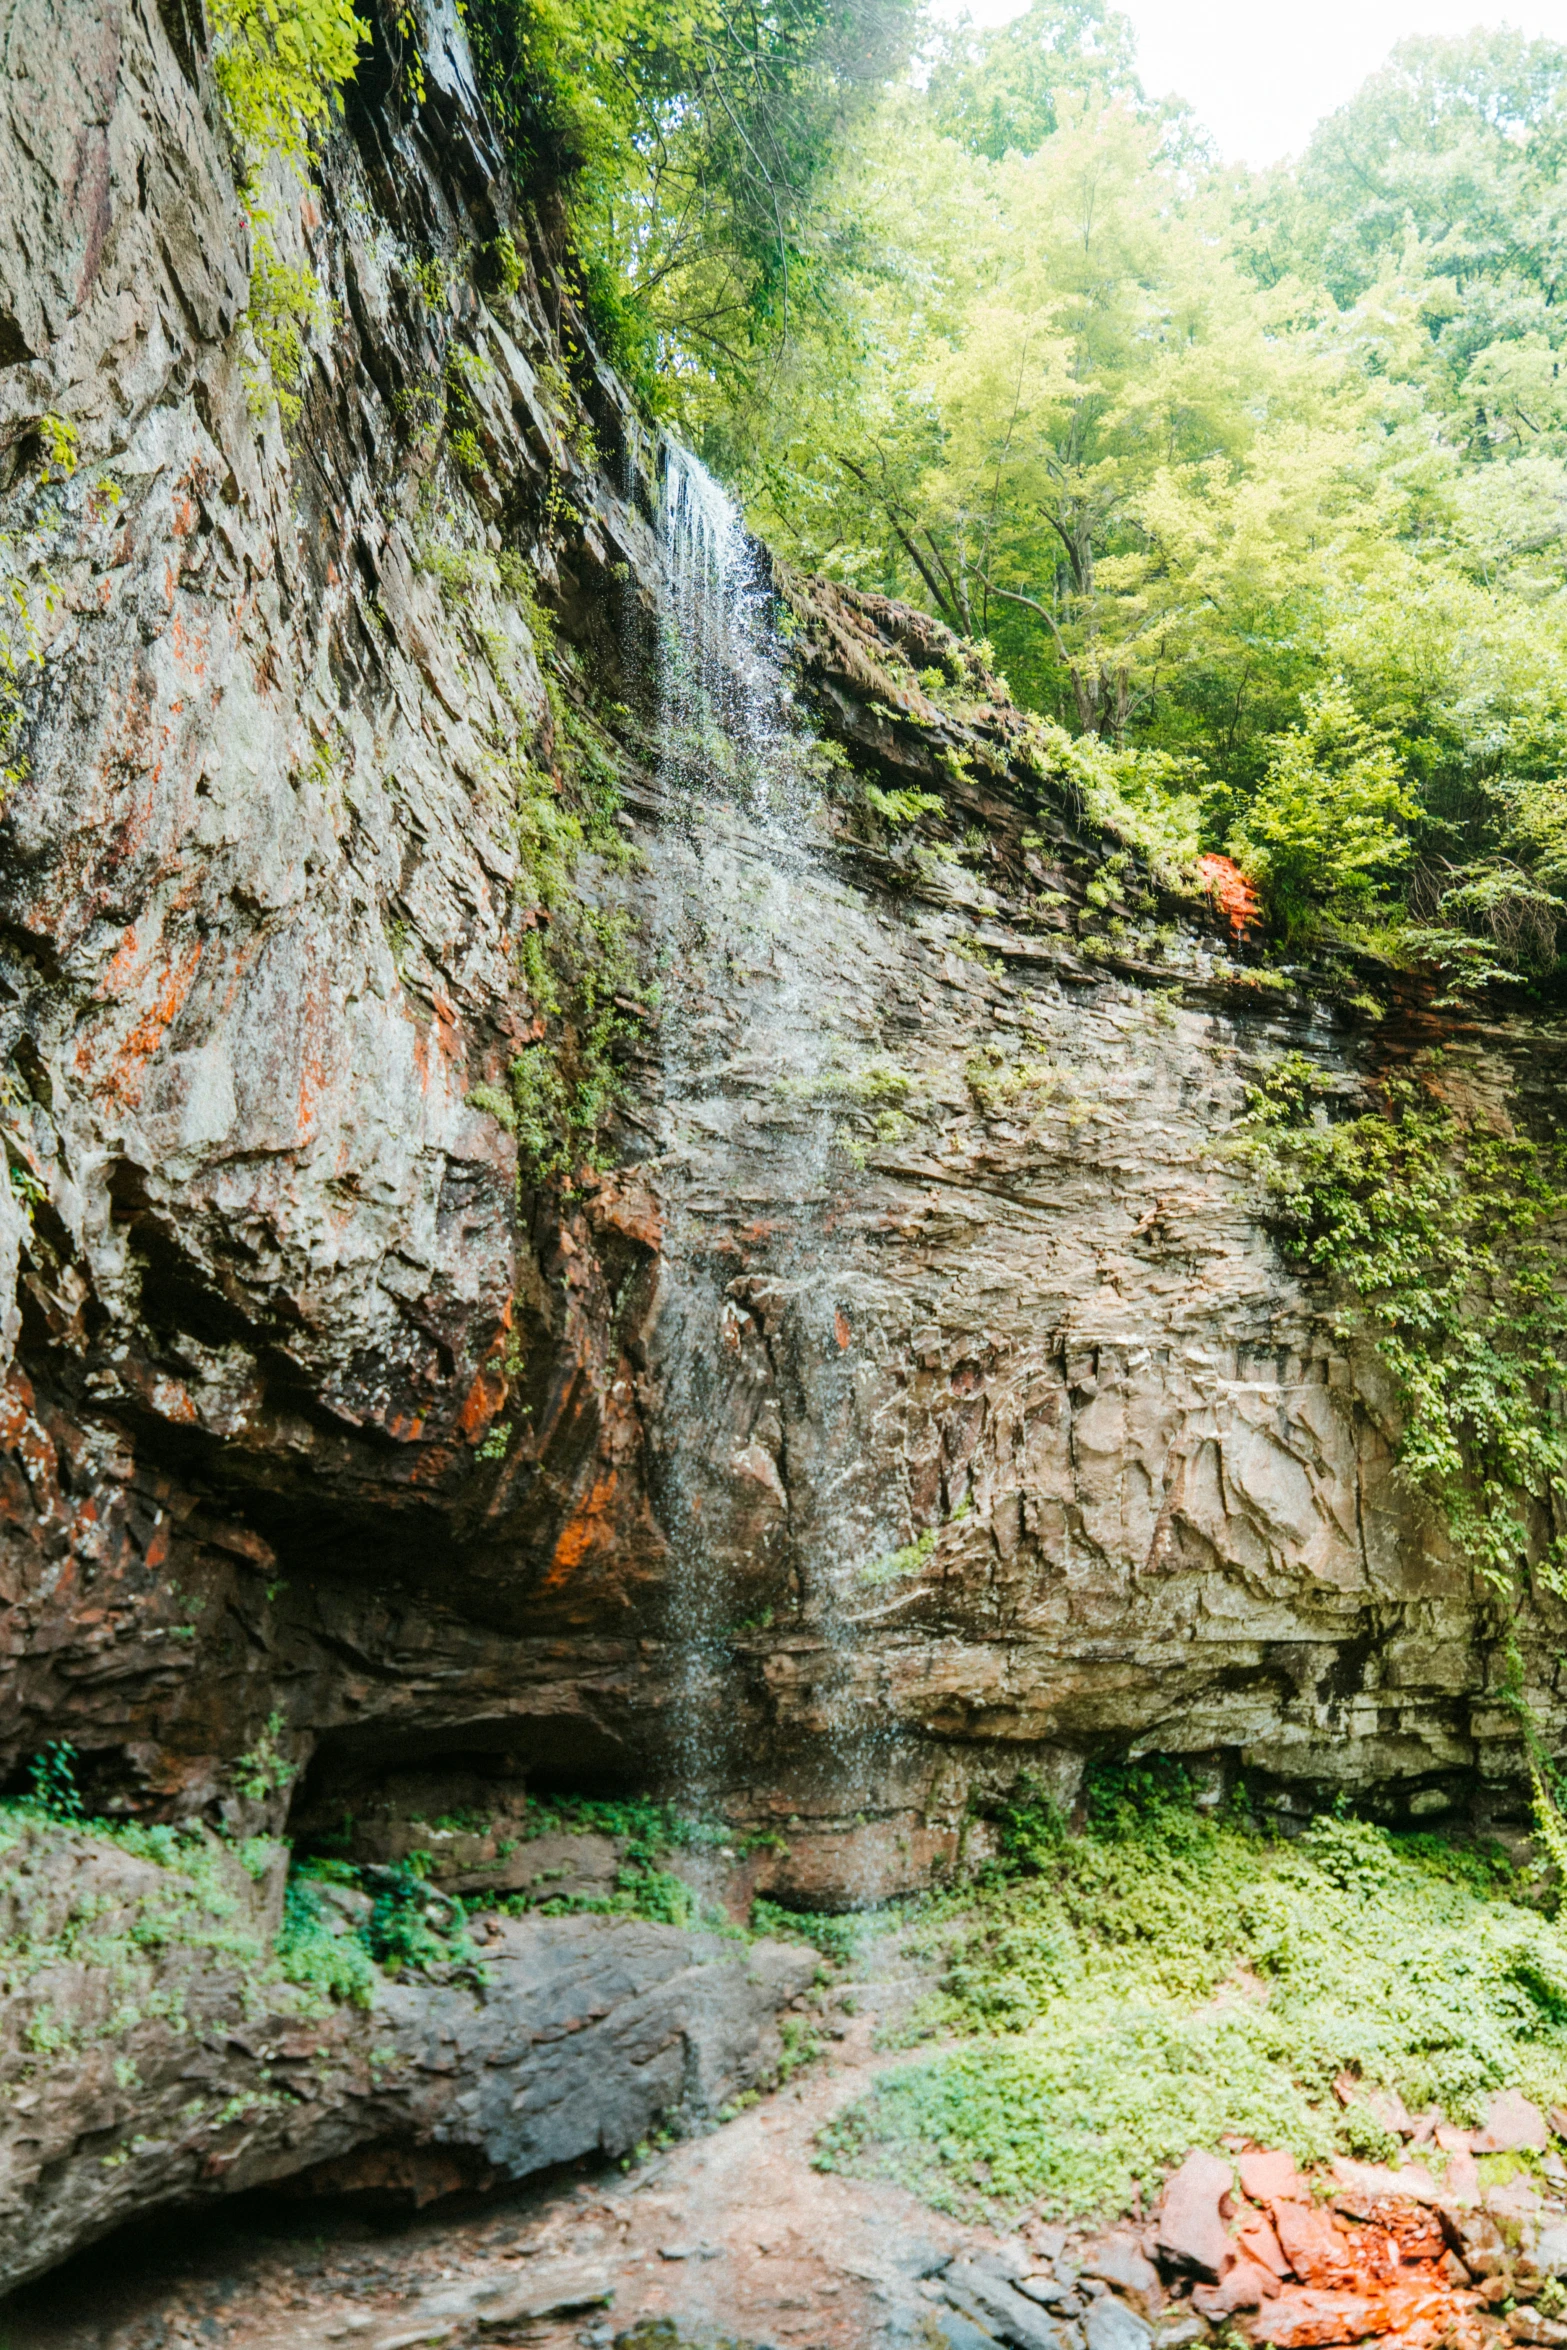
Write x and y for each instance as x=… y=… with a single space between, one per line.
x=1260 y=73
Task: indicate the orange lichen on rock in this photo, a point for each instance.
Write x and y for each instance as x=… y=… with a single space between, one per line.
x=591 y=1527
x=1318 y=2263
x=1235 y=897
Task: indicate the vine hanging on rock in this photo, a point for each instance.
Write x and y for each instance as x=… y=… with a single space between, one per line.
x=1445 y=1235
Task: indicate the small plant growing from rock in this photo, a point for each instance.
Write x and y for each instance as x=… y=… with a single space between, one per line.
x=264 y=1770
x=53 y=1779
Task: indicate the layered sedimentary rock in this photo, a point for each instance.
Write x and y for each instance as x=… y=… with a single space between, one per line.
x=312 y=1413
x=151 y=2056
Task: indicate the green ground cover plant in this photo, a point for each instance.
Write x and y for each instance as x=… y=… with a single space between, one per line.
x=65 y=1898
x=1169 y=1977
x=61 y=1908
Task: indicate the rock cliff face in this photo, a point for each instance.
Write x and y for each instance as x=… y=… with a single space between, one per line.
x=909 y=1397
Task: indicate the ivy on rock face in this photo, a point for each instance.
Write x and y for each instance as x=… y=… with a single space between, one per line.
x=1447 y=1231
x=280 y=63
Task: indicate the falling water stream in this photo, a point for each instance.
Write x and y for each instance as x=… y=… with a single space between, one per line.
x=762 y=1482
x=763 y=1498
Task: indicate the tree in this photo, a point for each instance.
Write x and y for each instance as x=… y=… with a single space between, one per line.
x=1185 y=445
x=1001 y=93
x=690 y=136
x=1330 y=823
x=1460 y=140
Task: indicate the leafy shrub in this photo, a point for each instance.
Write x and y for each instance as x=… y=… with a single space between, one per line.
x=1331 y=818
x=264 y=1769
x=314 y=1952
x=1029 y=1826
x=53 y=1778
x=412 y=1926
x=840 y=1939
x=284 y=303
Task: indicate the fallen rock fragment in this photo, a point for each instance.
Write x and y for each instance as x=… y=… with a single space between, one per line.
x=1314 y=2244
x=1517 y=2202
x=1298 y=2273
x=1512 y=2126
x=1365 y=2186
x=1244 y=2286
x=1110 y=2325
x=1462 y=2180
x=1257 y=2240
x=1270 y=2176
x=1527 y=2325
x=1550 y=2250
x=549 y=2288
x=1119 y=2259
x=953 y=2331
x=1299 y=2320
x=1191 y=2233
x=981 y=2290
x=1046 y=2290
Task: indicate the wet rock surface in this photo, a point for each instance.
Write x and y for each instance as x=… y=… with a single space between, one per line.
x=310 y=1414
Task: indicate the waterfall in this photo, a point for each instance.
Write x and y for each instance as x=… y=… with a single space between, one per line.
x=762 y=1478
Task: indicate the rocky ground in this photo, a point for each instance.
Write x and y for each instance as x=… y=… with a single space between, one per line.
x=735 y=2238
x=733 y=2232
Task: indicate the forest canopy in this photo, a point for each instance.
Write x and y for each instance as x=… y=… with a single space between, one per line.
x=1257 y=478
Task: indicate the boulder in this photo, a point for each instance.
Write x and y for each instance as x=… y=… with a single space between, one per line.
x=1272 y=2174
x=1314 y=2244
x=1244 y=2286
x=1257 y=2239
x=1110 y=2325
x=977 y=2287
x=1119 y=2259
x=1550 y=2249
x=1307 y=2317
x=586 y=2032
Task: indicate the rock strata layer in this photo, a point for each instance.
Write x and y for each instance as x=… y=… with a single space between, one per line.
x=307 y=1414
